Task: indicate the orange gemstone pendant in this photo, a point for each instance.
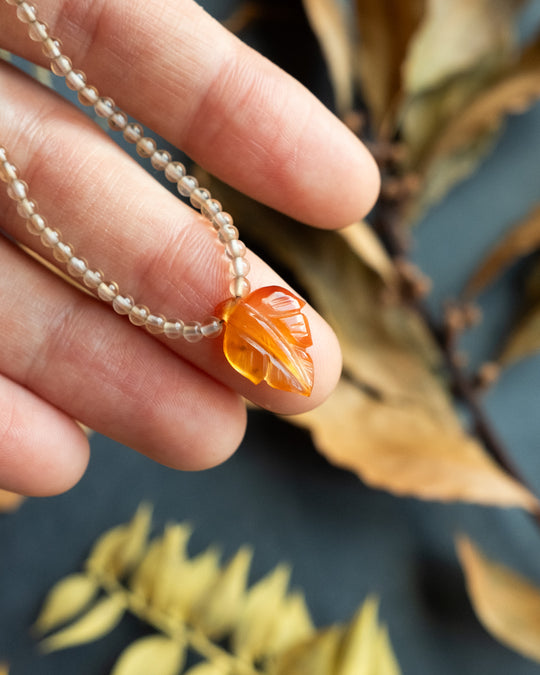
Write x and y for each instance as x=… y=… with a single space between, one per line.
x=266 y=337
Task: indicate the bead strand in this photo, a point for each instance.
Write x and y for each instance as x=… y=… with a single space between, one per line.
x=146 y=147
x=94 y=279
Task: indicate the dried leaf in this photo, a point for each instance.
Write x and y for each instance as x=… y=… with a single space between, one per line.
x=331 y=24
x=364 y=651
x=152 y=654
x=217 y=611
x=293 y=626
x=404 y=450
x=192 y=583
x=361 y=239
x=97 y=622
x=522 y=239
x=316 y=656
x=208 y=668
x=69 y=597
x=266 y=337
x=524 y=340
x=10 y=501
x=261 y=610
x=385 y=30
x=507 y=604
x=119 y=550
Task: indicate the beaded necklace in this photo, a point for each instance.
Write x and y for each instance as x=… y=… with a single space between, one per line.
x=265 y=334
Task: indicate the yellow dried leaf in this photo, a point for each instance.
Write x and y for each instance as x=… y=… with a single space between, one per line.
x=195 y=579
x=366 y=649
x=66 y=599
x=402 y=449
x=209 y=669
x=152 y=654
x=507 y=604
x=522 y=239
x=163 y=557
x=4 y=668
x=119 y=550
x=10 y=501
x=317 y=656
x=261 y=611
x=293 y=626
x=385 y=30
x=217 y=611
x=524 y=340
x=331 y=24
x=363 y=241
x=96 y=623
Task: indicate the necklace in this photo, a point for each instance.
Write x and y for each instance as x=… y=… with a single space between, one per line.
x=265 y=334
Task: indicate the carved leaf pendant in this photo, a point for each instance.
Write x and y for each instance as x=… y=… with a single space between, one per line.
x=266 y=337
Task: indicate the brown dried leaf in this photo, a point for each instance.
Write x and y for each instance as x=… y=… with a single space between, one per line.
x=522 y=239
x=524 y=340
x=403 y=449
x=459 y=48
x=151 y=654
x=507 y=604
x=10 y=501
x=361 y=239
x=331 y=25
x=385 y=30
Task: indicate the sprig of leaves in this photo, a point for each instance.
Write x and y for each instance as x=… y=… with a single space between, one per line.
x=198 y=604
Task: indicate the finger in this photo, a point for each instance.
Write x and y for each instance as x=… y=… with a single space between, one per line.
x=182 y=74
x=125 y=223
x=70 y=350
x=42 y=450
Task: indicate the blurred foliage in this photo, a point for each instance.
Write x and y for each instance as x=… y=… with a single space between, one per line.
x=198 y=606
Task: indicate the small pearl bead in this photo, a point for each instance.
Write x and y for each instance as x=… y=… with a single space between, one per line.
x=227 y=233
x=8 y=172
x=77 y=266
x=93 y=278
x=155 y=323
x=139 y=314
x=198 y=197
x=26 y=208
x=175 y=171
x=133 y=132
x=13 y=2
x=240 y=267
x=26 y=12
x=123 y=304
x=38 y=31
x=107 y=290
x=186 y=185
x=160 y=159
x=235 y=248
x=62 y=252
x=76 y=80
x=212 y=327
x=52 y=48
x=210 y=208
x=36 y=224
x=173 y=329
x=104 y=107
x=17 y=189
x=88 y=96
x=146 y=147
x=118 y=120
x=3 y=154
x=221 y=219
x=61 y=65
x=50 y=237
x=192 y=331
x=240 y=287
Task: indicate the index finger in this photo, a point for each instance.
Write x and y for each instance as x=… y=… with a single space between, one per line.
x=182 y=74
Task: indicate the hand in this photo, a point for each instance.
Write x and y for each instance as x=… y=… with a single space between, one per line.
x=66 y=356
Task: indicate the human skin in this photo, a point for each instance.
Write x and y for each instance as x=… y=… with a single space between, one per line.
x=64 y=355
